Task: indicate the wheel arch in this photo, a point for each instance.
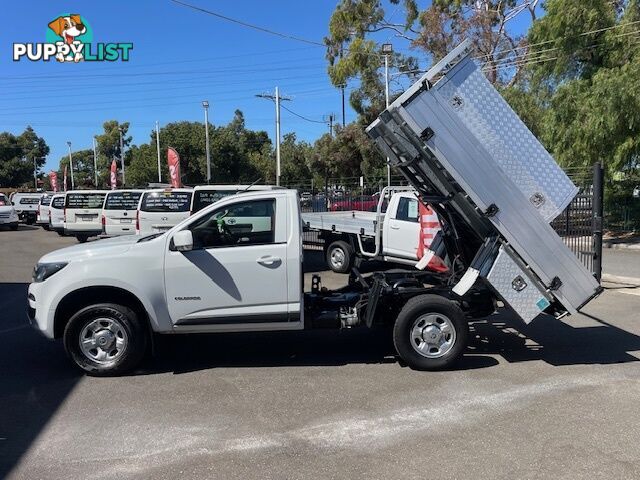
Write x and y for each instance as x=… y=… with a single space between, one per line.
x=83 y=297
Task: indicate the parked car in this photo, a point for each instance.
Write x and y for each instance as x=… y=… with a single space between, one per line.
x=56 y=213
x=8 y=215
x=365 y=203
x=42 y=217
x=161 y=209
x=82 y=211
x=119 y=212
x=26 y=205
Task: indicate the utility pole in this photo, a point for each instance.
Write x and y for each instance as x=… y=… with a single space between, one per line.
x=387 y=49
x=342 y=87
x=158 y=148
x=330 y=119
x=35 y=174
x=277 y=98
x=122 y=155
x=95 y=163
x=71 y=166
x=205 y=104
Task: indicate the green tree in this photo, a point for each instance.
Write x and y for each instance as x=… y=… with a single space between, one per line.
x=17 y=154
x=82 y=170
x=108 y=147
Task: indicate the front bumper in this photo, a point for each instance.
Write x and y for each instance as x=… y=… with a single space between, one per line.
x=38 y=314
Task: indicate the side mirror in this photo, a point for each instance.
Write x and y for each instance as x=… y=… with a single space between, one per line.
x=183 y=241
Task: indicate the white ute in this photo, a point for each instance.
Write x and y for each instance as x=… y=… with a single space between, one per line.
x=236 y=265
x=8 y=215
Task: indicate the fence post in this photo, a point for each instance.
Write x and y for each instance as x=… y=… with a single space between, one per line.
x=597 y=223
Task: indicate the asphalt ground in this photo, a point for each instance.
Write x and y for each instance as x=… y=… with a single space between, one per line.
x=554 y=399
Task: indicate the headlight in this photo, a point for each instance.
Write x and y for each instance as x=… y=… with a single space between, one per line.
x=42 y=271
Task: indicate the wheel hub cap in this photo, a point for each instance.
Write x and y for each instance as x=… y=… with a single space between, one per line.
x=337 y=257
x=432 y=335
x=103 y=340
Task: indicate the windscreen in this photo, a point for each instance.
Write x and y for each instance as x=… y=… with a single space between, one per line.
x=57 y=202
x=166 y=202
x=122 y=201
x=204 y=198
x=84 y=200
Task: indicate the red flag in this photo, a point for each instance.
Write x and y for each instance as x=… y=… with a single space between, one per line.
x=114 y=175
x=53 y=180
x=429 y=227
x=64 y=179
x=173 y=160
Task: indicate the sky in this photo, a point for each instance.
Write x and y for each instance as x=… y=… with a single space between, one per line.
x=180 y=57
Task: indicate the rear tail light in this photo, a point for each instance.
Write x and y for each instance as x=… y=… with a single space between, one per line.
x=137 y=221
x=104 y=224
x=65 y=214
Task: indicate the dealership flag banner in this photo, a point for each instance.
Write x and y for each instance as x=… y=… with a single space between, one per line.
x=429 y=227
x=64 y=179
x=173 y=160
x=53 y=180
x=114 y=177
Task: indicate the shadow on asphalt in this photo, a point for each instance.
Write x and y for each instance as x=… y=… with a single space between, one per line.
x=36 y=376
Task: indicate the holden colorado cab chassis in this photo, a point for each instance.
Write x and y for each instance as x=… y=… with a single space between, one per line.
x=237 y=264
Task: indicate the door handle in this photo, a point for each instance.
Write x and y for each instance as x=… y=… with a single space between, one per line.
x=268 y=260
x=394 y=227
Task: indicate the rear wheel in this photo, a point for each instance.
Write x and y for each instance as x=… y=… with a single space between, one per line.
x=14 y=226
x=430 y=333
x=340 y=257
x=60 y=232
x=82 y=238
x=45 y=227
x=105 y=339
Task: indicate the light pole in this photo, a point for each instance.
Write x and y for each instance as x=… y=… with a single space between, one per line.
x=35 y=174
x=71 y=166
x=95 y=163
x=387 y=49
x=205 y=104
x=158 y=148
x=121 y=154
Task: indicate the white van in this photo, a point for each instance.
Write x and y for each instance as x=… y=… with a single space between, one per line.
x=56 y=213
x=119 y=212
x=82 y=211
x=205 y=195
x=159 y=210
x=26 y=205
x=42 y=217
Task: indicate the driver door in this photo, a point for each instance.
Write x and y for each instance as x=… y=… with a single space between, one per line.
x=236 y=273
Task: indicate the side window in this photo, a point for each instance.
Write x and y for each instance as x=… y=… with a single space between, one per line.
x=408 y=210
x=245 y=223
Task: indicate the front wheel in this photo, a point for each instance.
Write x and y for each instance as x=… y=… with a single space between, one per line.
x=430 y=333
x=105 y=339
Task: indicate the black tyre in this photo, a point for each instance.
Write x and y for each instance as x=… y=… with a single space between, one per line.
x=105 y=339
x=60 y=232
x=45 y=227
x=430 y=333
x=340 y=257
x=82 y=238
x=14 y=226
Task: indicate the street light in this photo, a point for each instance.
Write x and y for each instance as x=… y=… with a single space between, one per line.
x=71 y=166
x=387 y=49
x=205 y=104
x=120 y=129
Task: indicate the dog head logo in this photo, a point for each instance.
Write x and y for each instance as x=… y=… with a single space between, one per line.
x=69 y=28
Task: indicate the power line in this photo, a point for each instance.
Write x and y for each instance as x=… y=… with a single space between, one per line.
x=249 y=25
x=303 y=117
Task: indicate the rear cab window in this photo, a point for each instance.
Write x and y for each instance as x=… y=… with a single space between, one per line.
x=29 y=201
x=204 y=198
x=122 y=201
x=57 y=202
x=168 y=201
x=84 y=200
x=45 y=200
